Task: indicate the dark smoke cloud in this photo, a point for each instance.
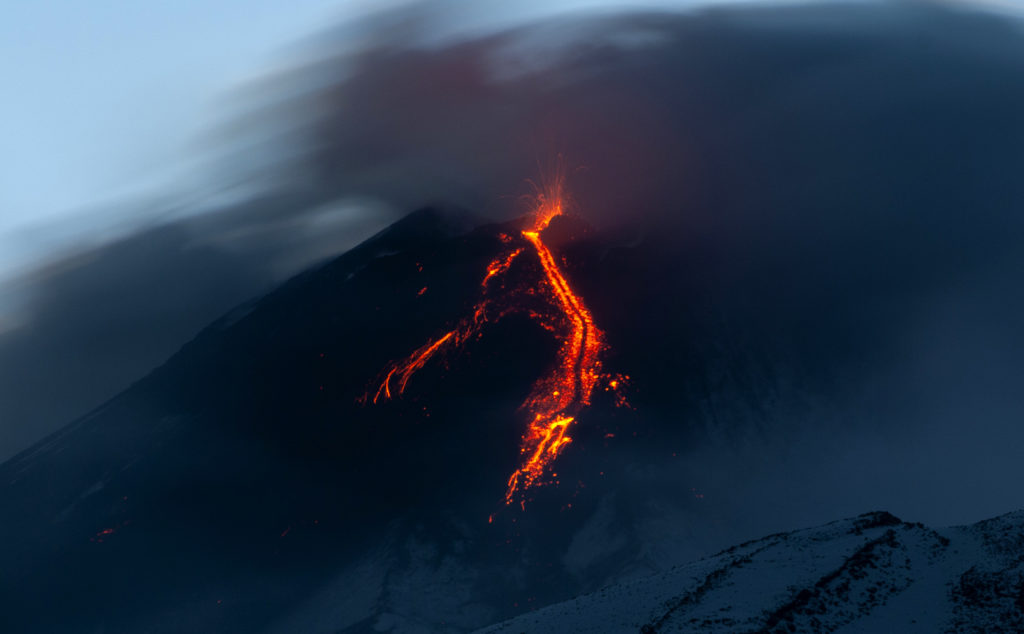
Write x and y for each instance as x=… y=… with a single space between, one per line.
x=847 y=178
x=664 y=113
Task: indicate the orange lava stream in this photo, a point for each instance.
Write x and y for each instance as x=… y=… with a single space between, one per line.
x=407 y=368
x=557 y=397
x=500 y=265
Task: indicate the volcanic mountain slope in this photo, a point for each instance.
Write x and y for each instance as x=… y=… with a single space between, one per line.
x=244 y=485
x=249 y=484
x=872 y=573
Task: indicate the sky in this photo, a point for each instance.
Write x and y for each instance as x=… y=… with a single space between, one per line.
x=110 y=100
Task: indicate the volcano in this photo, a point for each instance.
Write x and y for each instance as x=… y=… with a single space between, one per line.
x=382 y=443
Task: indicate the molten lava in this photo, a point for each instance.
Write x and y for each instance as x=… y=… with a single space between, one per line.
x=556 y=398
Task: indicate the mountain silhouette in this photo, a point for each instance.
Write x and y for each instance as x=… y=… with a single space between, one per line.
x=248 y=459
x=247 y=484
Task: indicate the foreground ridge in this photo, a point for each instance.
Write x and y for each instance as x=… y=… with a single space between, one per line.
x=871 y=573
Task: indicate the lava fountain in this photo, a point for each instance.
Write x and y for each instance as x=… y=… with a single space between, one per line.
x=558 y=396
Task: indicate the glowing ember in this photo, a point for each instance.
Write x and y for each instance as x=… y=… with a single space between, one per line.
x=557 y=397
x=406 y=369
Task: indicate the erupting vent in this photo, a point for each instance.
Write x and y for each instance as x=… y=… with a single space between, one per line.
x=557 y=397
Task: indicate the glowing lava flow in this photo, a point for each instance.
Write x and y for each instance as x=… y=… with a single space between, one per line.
x=557 y=397
x=405 y=370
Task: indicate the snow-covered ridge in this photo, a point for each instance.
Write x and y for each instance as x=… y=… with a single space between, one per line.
x=872 y=573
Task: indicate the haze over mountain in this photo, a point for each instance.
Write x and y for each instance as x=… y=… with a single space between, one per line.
x=797 y=228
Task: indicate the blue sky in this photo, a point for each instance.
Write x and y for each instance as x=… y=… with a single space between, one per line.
x=108 y=99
